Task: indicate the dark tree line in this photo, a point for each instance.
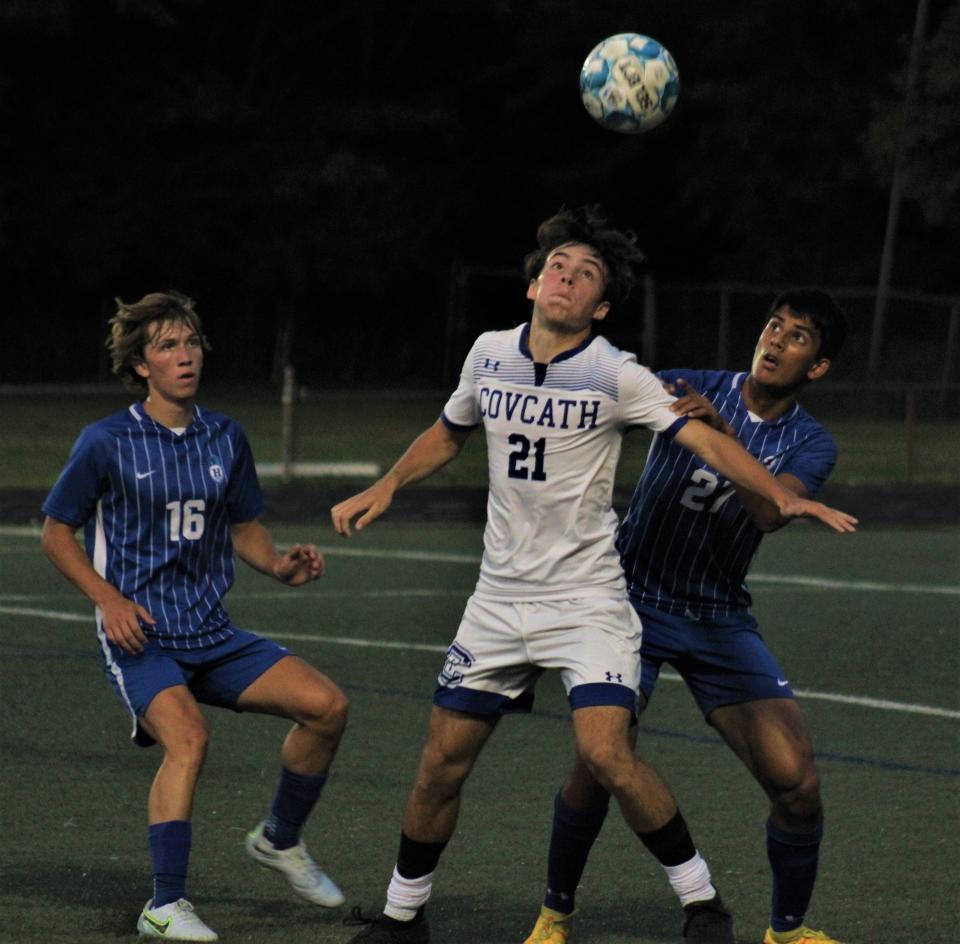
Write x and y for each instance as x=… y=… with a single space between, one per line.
x=311 y=171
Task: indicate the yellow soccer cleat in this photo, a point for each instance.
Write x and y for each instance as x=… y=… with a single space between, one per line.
x=552 y=927
x=801 y=935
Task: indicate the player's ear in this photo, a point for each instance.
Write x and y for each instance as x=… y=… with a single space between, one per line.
x=140 y=366
x=532 y=289
x=819 y=368
x=601 y=311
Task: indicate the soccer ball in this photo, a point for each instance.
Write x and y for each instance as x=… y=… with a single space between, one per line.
x=629 y=83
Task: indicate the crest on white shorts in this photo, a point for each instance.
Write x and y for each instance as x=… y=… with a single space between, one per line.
x=457 y=658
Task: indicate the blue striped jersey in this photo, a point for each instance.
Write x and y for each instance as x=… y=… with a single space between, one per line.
x=686 y=542
x=553 y=434
x=156 y=505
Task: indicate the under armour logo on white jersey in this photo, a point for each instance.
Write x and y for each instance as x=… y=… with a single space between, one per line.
x=491 y=365
x=614 y=677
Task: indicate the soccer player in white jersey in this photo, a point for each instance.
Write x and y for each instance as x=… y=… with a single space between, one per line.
x=554 y=399
x=167 y=494
x=686 y=544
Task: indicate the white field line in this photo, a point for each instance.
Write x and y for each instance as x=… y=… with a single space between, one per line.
x=443 y=557
x=880 y=704
x=454 y=558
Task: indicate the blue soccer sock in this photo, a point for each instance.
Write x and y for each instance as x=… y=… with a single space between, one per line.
x=296 y=796
x=571 y=839
x=170 y=847
x=793 y=858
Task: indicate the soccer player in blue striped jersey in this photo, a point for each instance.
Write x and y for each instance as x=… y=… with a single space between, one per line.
x=554 y=400
x=167 y=495
x=686 y=543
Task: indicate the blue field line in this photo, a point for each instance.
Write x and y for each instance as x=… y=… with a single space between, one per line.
x=12 y=654
x=874 y=763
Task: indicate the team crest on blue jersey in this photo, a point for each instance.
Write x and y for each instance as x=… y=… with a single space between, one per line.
x=457 y=657
x=216 y=473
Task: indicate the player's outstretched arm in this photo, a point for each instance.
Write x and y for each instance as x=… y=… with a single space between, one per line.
x=763 y=512
x=121 y=618
x=254 y=546
x=430 y=451
x=728 y=457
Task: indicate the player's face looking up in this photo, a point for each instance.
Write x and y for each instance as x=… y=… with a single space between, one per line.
x=568 y=294
x=787 y=353
x=172 y=361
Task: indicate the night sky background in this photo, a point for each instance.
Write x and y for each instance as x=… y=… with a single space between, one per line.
x=312 y=172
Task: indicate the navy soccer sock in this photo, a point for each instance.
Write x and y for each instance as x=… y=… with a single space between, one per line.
x=793 y=858
x=416 y=859
x=296 y=796
x=571 y=839
x=170 y=847
x=671 y=843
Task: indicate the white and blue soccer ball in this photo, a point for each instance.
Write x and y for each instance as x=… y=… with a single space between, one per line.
x=629 y=83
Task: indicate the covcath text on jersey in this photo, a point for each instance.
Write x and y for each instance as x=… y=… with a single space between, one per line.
x=533 y=410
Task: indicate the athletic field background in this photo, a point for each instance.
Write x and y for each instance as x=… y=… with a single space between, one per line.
x=865 y=625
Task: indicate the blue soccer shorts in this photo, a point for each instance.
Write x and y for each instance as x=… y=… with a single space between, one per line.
x=723 y=660
x=216 y=675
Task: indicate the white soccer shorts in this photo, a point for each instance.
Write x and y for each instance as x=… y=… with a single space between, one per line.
x=502 y=648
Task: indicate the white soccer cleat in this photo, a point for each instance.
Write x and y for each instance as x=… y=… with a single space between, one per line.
x=176 y=921
x=307 y=879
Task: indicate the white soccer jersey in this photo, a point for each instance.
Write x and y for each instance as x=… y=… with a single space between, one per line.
x=553 y=440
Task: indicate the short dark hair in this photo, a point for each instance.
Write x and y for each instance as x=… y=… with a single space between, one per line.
x=824 y=313
x=616 y=248
x=134 y=325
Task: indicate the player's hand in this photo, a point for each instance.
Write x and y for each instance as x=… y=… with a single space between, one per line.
x=692 y=404
x=121 y=619
x=796 y=507
x=301 y=564
x=369 y=504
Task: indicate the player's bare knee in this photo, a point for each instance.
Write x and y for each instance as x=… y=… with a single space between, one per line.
x=333 y=710
x=442 y=772
x=609 y=764
x=799 y=801
x=338 y=711
x=187 y=743
x=324 y=711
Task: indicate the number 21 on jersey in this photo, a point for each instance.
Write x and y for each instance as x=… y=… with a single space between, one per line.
x=519 y=465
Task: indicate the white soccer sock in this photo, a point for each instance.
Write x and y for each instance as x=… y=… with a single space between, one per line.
x=691 y=880
x=406 y=895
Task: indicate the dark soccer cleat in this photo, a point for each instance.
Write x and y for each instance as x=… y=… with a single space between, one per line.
x=708 y=922
x=385 y=930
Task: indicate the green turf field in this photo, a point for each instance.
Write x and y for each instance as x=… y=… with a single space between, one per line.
x=871 y=642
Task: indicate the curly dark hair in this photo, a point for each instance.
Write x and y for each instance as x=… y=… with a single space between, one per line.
x=617 y=249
